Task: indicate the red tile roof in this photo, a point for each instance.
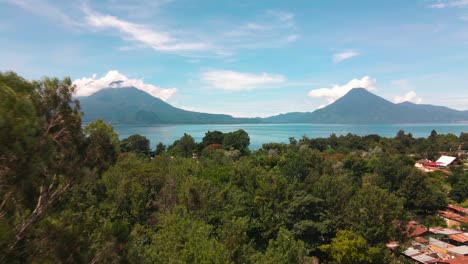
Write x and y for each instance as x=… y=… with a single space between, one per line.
x=415 y=229
x=421 y=240
x=453 y=216
x=458 y=209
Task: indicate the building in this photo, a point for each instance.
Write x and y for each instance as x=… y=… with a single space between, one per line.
x=453 y=219
x=461 y=251
x=459 y=239
x=458 y=260
x=457 y=209
x=444 y=231
x=445 y=161
x=415 y=229
x=419 y=256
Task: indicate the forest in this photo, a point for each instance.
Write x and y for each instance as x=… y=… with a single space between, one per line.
x=75 y=193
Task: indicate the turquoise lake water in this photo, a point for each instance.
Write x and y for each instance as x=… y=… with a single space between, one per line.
x=265 y=133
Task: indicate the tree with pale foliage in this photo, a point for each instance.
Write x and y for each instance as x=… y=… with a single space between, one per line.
x=349 y=248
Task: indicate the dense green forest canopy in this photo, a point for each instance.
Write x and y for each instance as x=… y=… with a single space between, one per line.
x=73 y=194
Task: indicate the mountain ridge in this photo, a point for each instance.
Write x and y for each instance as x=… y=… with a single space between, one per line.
x=129 y=105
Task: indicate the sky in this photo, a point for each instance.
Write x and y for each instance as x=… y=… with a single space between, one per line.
x=242 y=57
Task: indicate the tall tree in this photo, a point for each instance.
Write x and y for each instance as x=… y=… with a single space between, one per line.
x=160 y=149
x=43 y=162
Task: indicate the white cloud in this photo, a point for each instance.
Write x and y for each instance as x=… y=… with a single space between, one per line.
x=237 y=81
x=285 y=17
x=408 y=97
x=256 y=27
x=134 y=9
x=338 y=57
x=269 y=29
x=445 y=4
x=158 y=40
x=337 y=91
x=321 y=106
x=272 y=29
x=291 y=38
x=43 y=8
x=89 y=85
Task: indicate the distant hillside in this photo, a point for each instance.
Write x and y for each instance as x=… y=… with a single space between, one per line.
x=130 y=105
x=360 y=106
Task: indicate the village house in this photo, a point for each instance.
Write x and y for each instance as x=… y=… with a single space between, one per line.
x=438 y=244
x=458 y=260
x=428 y=165
x=454 y=215
x=460 y=251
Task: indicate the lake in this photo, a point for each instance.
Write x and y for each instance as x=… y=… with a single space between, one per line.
x=264 y=133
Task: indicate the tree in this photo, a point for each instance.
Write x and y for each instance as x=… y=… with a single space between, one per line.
x=391 y=170
x=304 y=216
x=335 y=191
x=135 y=143
x=185 y=146
x=238 y=140
x=103 y=127
x=179 y=239
x=459 y=181
x=294 y=165
x=460 y=192
x=102 y=145
x=42 y=162
x=131 y=187
x=423 y=196
x=284 y=249
x=373 y=212
x=213 y=137
x=349 y=248
x=403 y=142
x=160 y=148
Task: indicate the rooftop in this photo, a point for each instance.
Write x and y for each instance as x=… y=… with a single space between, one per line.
x=457 y=209
x=444 y=231
x=453 y=216
x=445 y=160
x=415 y=229
x=411 y=252
x=421 y=240
x=461 y=250
x=459 y=260
x=440 y=244
x=462 y=238
x=423 y=258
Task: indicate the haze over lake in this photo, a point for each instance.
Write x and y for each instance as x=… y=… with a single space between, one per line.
x=264 y=133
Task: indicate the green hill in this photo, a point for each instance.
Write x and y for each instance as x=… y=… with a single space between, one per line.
x=132 y=106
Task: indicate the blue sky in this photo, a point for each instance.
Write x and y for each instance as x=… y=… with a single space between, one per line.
x=245 y=58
